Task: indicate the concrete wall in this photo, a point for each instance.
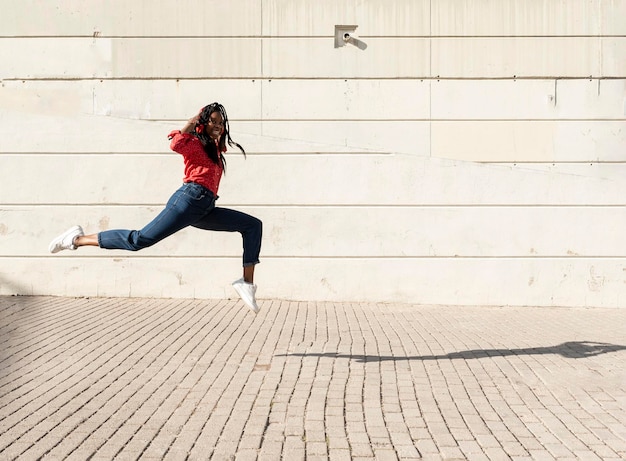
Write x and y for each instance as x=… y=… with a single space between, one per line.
x=470 y=152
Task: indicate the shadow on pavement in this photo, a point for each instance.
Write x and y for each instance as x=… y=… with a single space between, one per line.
x=570 y=350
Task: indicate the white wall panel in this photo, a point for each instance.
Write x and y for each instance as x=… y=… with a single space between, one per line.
x=518 y=17
x=614 y=56
x=381 y=136
x=176 y=99
x=342 y=99
x=585 y=282
x=44 y=99
x=67 y=58
x=529 y=141
x=318 y=19
x=132 y=99
x=28 y=58
x=522 y=57
x=590 y=141
x=590 y=99
x=613 y=14
x=492 y=99
x=318 y=58
x=528 y=99
x=124 y=18
x=602 y=171
x=301 y=180
x=392 y=231
x=72 y=133
x=186 y=58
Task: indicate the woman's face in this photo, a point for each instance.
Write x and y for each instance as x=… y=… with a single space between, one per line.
x=215 y=126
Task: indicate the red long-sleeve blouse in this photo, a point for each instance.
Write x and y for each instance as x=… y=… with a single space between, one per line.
x=199 y=168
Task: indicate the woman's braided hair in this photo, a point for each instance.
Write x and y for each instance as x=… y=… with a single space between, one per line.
x=209 y=145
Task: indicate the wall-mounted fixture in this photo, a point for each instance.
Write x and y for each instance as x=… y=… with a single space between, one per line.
x=346 y=34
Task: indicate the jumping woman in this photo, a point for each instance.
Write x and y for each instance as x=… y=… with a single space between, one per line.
x=202 y=143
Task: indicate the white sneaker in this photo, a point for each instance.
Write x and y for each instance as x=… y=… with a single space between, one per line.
x=65 y=241
x=247 y=291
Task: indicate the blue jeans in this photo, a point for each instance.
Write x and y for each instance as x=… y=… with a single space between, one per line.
x=191 y=205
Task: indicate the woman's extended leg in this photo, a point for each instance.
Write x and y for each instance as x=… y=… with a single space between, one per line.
x=251 y=230
x=86 y=240
x=248 y=273
x=186 y=206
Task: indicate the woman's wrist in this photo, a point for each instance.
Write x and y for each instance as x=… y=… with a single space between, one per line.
x=188 y=126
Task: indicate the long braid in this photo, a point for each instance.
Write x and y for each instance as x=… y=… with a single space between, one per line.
x=209 y=145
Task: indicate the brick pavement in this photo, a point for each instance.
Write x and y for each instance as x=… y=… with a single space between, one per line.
x=159 y=379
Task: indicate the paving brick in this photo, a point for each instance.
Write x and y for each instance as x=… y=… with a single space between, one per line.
x=339 y=443
x=361 y=450
x=246 y=454
x=316 y=448
x=406 y=451
x=381 y=454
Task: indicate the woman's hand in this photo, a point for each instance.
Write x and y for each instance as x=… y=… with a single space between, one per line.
x=191 y=124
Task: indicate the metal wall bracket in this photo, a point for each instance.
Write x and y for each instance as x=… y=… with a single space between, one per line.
x=343 y=33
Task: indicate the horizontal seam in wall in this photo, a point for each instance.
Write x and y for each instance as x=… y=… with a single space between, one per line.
x=329 y=257
x=322 y=154
x=375 y=120
x=269 y=79
x=174 y=156
x=101 y=36
x=427 y=120
x=3 y=206
x=548 y=162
